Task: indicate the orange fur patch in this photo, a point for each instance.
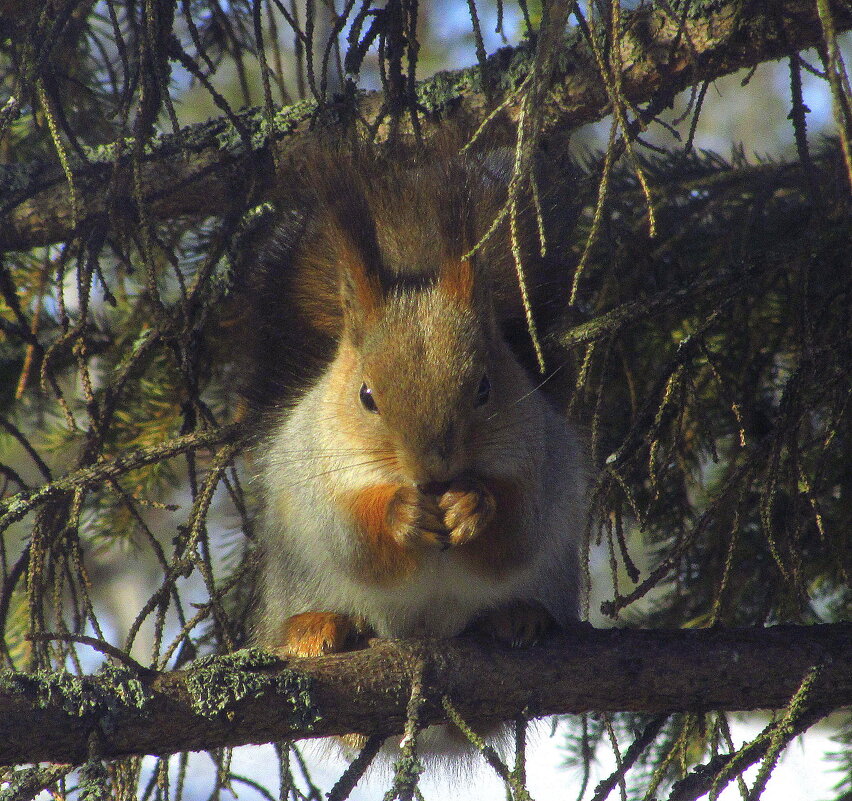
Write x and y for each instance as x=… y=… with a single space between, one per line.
x=316 y=633
x=385 y=561
x=456 y=280
x=502 y=547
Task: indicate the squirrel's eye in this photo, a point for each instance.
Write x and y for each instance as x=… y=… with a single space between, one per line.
x=484 y=391
x=367 y=400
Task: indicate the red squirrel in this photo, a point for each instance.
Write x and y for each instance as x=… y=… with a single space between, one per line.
x=417 y=482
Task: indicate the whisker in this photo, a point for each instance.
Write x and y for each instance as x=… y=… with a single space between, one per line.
x=292 y=457
x=535 y=389
x=369 y=463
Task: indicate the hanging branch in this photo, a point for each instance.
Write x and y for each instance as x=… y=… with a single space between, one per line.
x=36 y=209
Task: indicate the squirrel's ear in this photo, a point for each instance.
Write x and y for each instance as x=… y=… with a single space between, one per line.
x=360 y=289
x=354 y=243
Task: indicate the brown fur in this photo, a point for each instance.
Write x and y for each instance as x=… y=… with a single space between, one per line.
x=501 y=547
x=456 y=281
x=383 y=524
x=317 y=633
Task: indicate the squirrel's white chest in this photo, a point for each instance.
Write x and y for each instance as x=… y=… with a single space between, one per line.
x=314 y=562
x=440 y=598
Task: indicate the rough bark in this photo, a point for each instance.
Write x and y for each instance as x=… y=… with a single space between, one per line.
x=212 y=165
x=252 y=698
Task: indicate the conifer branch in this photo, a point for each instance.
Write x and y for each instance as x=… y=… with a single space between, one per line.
x=250 y=697
x=209 y=165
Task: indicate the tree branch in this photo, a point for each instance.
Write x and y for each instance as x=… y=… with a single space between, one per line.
x=250 y=697
x=19 y=506
x=200 y=173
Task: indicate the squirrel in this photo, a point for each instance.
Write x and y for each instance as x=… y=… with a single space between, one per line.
x=415 y=479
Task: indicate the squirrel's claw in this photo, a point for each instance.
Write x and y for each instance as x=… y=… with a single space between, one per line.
x=318 y=633
x=518 y=625
x=468 y=508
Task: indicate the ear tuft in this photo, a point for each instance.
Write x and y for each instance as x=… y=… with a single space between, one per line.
x=353 y=245
x=360 y=289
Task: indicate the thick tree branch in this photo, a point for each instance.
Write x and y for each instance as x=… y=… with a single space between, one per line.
x=252 y=698
x=212 y=164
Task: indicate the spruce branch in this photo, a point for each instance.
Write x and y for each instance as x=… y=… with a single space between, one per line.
x=251 y=697
x=196 y=173
x=19 y=506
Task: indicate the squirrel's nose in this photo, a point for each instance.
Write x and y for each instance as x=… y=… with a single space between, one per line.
x=438 y=460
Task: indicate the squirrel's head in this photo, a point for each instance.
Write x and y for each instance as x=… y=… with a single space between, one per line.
x=424 y=380
x=425 y=370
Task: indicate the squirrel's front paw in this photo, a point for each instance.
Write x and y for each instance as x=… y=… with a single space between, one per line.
x=414 y=517
x=468 y=507
x=318 y=633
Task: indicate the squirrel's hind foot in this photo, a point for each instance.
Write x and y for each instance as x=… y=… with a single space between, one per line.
x=318 y=633
x=518 y=625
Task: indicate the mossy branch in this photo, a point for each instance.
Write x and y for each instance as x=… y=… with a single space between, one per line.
x=197 y=173
x=251 y=697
